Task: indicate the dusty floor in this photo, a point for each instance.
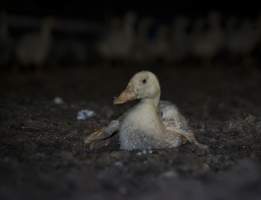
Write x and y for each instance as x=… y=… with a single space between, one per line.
x=42 y=155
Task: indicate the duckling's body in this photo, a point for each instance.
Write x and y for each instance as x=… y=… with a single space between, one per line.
x=171 y=116
x=150 y=124
x=142 y=128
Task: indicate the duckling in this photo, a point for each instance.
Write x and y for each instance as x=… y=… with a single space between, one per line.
x=150 y=124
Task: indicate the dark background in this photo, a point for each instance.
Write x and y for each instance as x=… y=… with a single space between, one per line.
x=42 y=154
x=99 y=9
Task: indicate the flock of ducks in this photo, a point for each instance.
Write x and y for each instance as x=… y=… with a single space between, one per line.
x=202 y=38
x=150 y=124
x=132 y=38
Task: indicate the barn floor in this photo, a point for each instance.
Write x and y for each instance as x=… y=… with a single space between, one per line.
x=42 y=155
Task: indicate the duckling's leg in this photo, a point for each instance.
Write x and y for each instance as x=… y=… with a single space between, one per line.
x=102 y=133
x=189 y=135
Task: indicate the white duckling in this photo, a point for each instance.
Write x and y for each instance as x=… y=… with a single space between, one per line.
x=149 y=124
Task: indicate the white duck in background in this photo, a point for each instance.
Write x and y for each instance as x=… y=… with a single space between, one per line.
x=180 y=40
x=117 y=43
x=141 y=50
x=242 y=41
x=6 y=43
x=33 y=48
x=161 y=46
x=208 y=43
x=150 y=124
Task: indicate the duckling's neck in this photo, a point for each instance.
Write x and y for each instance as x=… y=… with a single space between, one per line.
x=154 y=101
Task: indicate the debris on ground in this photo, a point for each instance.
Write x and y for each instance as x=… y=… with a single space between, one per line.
x=85 y=114
x=58 y=100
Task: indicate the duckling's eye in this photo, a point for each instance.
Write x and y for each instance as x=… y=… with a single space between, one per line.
x=144 y=81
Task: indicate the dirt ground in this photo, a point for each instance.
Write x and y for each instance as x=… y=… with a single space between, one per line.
x=42 y=155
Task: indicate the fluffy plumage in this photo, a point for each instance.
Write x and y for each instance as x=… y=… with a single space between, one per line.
x=150 y=124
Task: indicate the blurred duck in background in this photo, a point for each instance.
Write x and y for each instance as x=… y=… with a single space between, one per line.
x=67 y=52
x=117 y=42
x=208 y=43
x=180 y=40
x=242 y=39
x=6 y=42
x=141 y=49
x=33 y=48
x=161 y=45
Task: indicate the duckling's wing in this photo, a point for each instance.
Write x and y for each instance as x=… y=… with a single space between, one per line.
x=103 y=133
x=187 y=134
x=170 y=112
x=175 y=122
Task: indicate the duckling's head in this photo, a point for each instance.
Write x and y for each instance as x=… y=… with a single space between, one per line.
x=143 y=85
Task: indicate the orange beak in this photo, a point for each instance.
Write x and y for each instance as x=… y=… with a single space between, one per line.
x=127 y=95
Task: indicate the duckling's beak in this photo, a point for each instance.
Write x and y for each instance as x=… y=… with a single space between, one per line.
x=127 y=95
